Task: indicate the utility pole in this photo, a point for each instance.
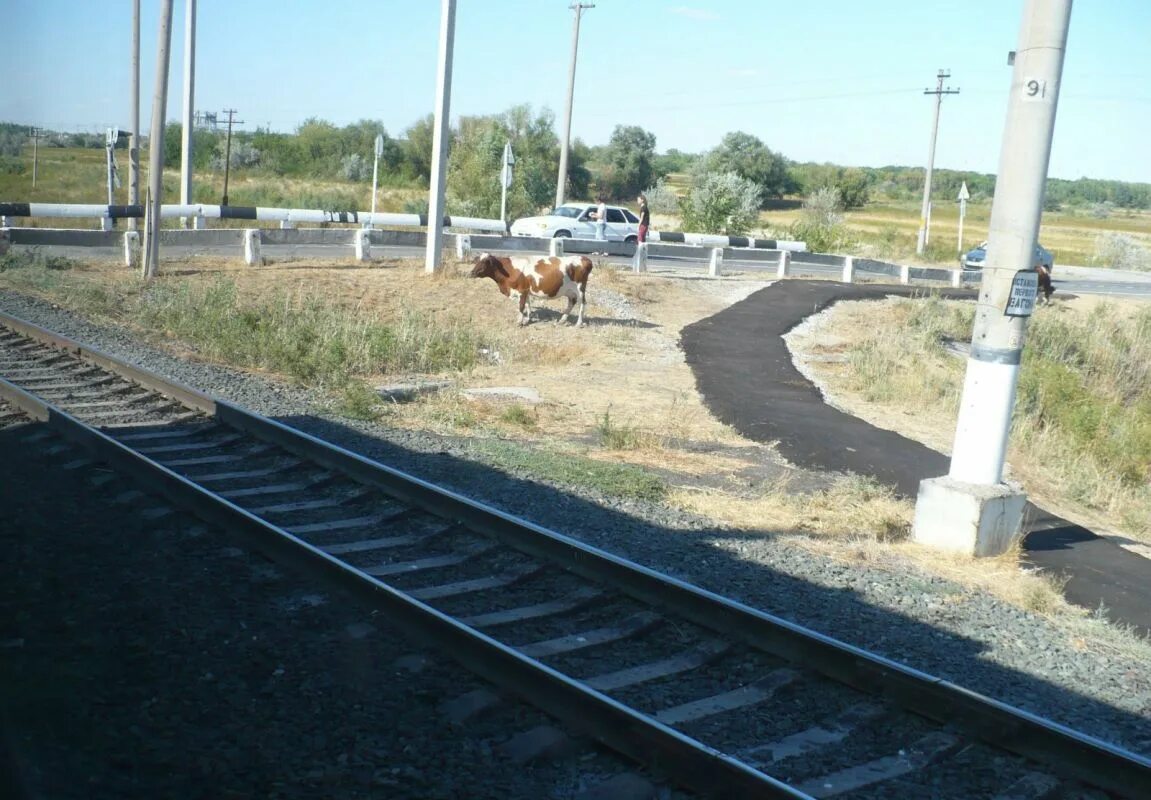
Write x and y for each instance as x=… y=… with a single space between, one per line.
x=35 y=133
x=156 y=145
x=231 y=112
x=134 y=144
x=561 y=181
x=925 y=212
x=964 y=196
x=971 y=502
x=189 y=97
x=440 y=137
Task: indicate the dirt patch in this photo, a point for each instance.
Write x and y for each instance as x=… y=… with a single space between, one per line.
x=623 y=372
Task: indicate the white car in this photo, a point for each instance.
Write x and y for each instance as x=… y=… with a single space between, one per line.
x=573 y=220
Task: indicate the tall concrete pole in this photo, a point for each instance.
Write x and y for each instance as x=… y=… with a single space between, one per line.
x=134 y=145
x=189 y=101
x=440 y=138
x=565 y=142
x=925 y=212
x=156 y=145
x=997 y=341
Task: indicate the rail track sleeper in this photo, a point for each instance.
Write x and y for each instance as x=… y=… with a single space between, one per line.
x=430 y=562
x=313 y=505
x=926 y=750
x=184 y=432
x=577 y=600
x=634 y=625
x=370 y=545
x=215 y=444
x=279 y=488
x=348 y=523
x=1032 y=786
x=743 y=697
x=695 y=658
x=832 y=730
x=501 y=580
x=216 y=477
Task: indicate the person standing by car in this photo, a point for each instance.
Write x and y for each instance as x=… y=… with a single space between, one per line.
x=601 y=219
x=644 y=217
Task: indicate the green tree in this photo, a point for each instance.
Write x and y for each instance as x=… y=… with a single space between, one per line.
x=628 y=162
x=417 y=145
x=749 y=158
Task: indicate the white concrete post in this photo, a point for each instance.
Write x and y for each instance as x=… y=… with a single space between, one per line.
x=849 y=269
x=556 y=248
x=905 y=274
x=971 y=507
x=287 y=225
x=463 y=246
x=363 y=242
x=106 y=223
x=715 y=263
x=198 y=222
x=131 y=248
x=784 y=264
x=957 y=278
x=441 y=135
x=252 y=255
x=639 y=260
x=5 y=222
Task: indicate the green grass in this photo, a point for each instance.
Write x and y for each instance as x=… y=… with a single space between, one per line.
x=299 y=336
x=567 y=469
x=1083 y=405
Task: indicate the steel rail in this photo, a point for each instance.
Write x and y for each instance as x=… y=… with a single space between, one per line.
x=1065 y=750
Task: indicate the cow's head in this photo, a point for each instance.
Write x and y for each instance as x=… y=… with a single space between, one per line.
x=488 y=266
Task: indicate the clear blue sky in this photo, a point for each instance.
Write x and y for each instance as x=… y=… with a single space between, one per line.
x=826 y=80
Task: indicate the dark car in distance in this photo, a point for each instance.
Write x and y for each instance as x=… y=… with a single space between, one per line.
x=974 y=258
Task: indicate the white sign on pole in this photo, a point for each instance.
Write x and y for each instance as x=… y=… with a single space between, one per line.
x=1024 y=292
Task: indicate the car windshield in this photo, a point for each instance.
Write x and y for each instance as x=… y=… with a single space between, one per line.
x=565 y=211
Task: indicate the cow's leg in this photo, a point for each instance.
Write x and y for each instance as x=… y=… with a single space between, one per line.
x=567 y=311
x=525 y=309
x=582 y=304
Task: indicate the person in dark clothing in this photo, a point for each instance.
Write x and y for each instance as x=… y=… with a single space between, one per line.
x=644 y=217
x=1045 y=282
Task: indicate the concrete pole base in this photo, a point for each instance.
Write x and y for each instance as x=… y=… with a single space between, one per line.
x=970 y=518
x=556 y=248
x=849 y=269
x=905 y=274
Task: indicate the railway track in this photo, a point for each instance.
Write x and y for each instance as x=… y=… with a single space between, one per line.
x=719 y=697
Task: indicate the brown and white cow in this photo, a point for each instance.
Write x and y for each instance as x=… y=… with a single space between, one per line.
x=546 y=277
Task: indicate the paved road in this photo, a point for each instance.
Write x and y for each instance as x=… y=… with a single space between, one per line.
x=745 y=373
x=1068 y=279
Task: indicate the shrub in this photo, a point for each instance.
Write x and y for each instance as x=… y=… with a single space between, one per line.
x=721 y=203
x=1120 y=251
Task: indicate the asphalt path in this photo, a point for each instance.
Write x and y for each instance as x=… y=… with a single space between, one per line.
x=745 y=374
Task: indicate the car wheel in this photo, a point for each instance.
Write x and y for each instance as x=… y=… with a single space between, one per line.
x=563 y=234
x=632 y=240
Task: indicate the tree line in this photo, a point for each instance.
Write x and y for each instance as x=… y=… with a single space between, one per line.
x=721 y=189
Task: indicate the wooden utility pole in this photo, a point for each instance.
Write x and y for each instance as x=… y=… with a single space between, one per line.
x=231 y=112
